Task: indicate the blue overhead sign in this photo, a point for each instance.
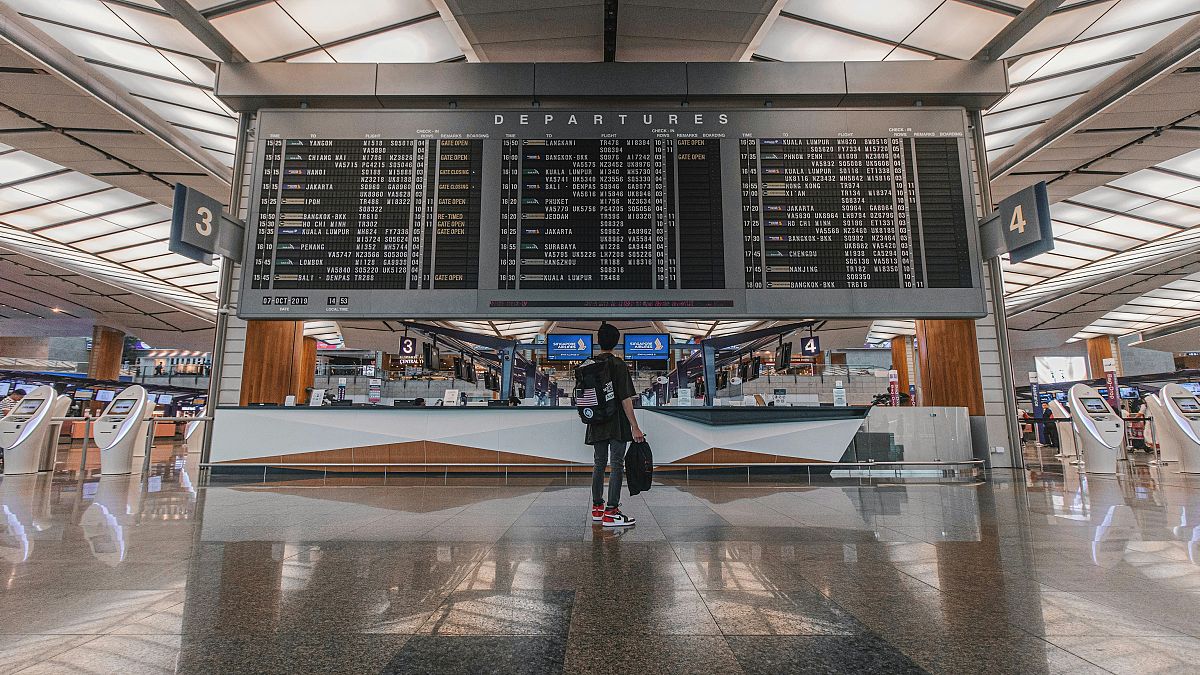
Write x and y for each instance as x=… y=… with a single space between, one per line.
x=568 y=347
x=651 y=347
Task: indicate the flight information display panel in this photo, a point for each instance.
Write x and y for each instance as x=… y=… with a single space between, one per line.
x=580 y=214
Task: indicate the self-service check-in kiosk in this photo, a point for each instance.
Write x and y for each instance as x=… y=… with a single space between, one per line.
x=121 y=431
x=1066 y=435
x=1099 y=431
x=23 y=431
x=1177 y=426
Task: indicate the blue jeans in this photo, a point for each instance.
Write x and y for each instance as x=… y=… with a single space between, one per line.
x=608 y=453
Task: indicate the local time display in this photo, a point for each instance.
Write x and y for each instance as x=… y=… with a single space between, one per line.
x=708 y=214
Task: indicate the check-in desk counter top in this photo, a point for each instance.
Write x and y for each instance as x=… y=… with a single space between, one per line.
x=371 y=436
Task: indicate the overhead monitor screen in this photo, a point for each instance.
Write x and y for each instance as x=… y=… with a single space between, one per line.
x=28 y=406
x=651 y=347
x=585 y=214
x=164 y=399
x=1187 y=403
x=83 y=394
x=568 y=347
x=4 y=388
x=105 y=395
x=1193 y=387
x=1129 y=392
x=121 y=407
x=1094 y=405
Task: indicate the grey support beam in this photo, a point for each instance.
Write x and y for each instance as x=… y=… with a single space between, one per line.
x=197 y=25
x=1159 y=60
x=1018 y=28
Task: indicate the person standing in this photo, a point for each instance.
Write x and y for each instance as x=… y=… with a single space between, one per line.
x=9 y=402
x=611 y=438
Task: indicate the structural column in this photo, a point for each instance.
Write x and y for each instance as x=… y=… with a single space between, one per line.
x=104 y=361
x=278 y=362
x=1100 y=348
x=948 y=361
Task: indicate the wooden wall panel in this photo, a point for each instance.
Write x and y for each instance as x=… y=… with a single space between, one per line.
x=1099 y=348
x=276 y=362
x=900 y=361
x=948 y=354
x=104 y=361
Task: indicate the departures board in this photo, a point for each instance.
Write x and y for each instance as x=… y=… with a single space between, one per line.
x=614 y=214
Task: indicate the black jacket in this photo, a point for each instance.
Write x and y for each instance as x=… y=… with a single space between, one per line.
x=639 y=467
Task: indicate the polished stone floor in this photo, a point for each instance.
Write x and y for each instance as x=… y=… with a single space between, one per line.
x=1043 y=571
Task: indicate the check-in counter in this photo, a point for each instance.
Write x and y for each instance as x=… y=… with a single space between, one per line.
x=369 y=437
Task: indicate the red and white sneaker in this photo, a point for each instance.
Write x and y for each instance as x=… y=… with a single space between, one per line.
x=597 y=512
x=614 y=518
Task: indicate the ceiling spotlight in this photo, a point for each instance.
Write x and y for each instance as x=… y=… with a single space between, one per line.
x=56 y=310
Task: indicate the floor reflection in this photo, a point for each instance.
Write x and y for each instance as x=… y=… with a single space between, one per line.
x=1033 y=572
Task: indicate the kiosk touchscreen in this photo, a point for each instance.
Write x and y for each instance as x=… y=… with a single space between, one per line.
x=23 y=431
x=1179 y=429
x=121 y=431
x=1099 y=431
x=1067 y=446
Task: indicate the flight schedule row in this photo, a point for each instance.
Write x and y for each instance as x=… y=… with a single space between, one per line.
x=611 y=214
x=368 y=213
x=846 y=213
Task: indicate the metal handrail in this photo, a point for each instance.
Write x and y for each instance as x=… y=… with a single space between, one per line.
x=87 y=435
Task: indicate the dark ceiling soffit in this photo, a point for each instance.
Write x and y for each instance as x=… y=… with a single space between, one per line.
x=247 y=87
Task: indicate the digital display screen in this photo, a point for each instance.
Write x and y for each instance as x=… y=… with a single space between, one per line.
x=1095 y=405
x=121 y=407
x=1186 y=403
x=650 y=347
x=1129 y=392
x=83 y=394
x=582 y=214
x=4 y=388
x=568 y=347
x=105 y=395
x=822 y=213
x=28 y=406
x=1193 y=387
x=164 y=399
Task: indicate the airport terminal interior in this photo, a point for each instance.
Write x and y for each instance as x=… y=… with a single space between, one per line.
x=600 y=336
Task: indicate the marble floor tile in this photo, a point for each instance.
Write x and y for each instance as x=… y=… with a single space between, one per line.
x=1136 y=655
x=22 y=651
x=984 y=654
x=115 y=654
x=666 y=654
x=286 y=654
x=502 y=613
x=819 y=654
x=473 y=654
x=751 y=612
x=667 y=611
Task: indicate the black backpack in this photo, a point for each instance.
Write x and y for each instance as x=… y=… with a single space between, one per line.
x=595 y=397
x=639 y=467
